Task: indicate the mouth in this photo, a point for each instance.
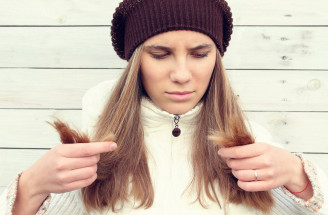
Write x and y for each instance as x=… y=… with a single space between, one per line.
x=180 y=95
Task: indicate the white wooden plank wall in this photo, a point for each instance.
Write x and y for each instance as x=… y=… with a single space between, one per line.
x=52 y=51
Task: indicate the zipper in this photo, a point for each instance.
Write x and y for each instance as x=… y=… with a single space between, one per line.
x=176 y=131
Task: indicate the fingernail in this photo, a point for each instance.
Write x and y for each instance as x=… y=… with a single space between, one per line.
x=112 y=146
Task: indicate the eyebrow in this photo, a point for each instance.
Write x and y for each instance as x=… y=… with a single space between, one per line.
x=158 y=47
x=165 y=48
x=203 y=46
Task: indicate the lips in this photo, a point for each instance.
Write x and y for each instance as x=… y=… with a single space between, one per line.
x=180 y=95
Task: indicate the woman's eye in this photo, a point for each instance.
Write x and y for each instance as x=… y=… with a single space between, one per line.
x=159 y=56
x=200 y=55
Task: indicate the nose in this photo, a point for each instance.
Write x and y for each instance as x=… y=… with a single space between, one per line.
x=181 y=72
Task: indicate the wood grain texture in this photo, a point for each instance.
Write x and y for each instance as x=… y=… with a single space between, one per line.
x=29 y=128
x=49 y=88
x=14 y=161
x=84 y=47
x=60 y=12
x=90 y=47
x=99 y=12
x=297 y=131
x=277 y=48
x=279 y=12
x=281 y=90
x=2 y=188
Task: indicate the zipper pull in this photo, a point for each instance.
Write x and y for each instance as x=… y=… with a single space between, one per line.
x=176 y=131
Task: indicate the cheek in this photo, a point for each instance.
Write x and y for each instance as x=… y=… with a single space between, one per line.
x=150 y=79
x=152 y=72
x=204 y=72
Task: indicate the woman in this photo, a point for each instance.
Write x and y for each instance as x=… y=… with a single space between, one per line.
x=173 y=94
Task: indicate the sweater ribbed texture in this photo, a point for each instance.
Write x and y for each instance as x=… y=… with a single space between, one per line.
x=67 y=204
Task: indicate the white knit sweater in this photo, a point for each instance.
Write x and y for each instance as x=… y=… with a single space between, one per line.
x=171 y=170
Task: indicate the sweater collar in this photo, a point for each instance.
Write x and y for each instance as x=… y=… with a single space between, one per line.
x=152 y=115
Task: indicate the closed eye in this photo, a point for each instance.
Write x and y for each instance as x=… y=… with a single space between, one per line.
x=200 y=55
x=159 y=56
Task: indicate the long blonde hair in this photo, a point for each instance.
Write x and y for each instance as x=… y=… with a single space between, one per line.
x=124 y=174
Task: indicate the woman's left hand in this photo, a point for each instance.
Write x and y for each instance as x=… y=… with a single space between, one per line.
x=273 y=166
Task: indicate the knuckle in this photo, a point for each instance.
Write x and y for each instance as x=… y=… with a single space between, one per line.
x=232 y=164
x=267 y=161
x=94 y=159
x=242 y=174
x=86 y=151
x=58 y=150
x=238 y=152
x=243 y=186
x=90 y=172
x=105 y=147
x=270 y=173
x=228 y=162
x=235 y=173
x=54 y=152
x=60 y=166
x=89 y=181
x=248 y=187
x=62 y=179
x=94 y=169
x=239 y=175
x=67 y=187
x=271 y=184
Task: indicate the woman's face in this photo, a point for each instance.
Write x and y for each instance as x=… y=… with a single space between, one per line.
x=176 y=68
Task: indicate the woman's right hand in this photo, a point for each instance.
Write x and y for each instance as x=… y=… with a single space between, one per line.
x=64 y=168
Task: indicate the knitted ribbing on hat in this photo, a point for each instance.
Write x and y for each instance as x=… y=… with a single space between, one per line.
x=134 y=21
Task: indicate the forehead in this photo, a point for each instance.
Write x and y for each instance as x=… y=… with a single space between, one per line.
x=172 y=38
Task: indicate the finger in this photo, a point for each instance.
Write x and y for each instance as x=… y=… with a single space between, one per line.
x=257 y=162
x=76 y=163
x=255 y=186
x=76 y=185
x=87 y=149
x=246 y=175
x=77 y=175
x=250 y=175
x=246 y=151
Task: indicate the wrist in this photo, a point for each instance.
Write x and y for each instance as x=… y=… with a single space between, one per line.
x=298 y=192
x=30 y=186
x=299 y=184
x=28 y=198
x=298 y=178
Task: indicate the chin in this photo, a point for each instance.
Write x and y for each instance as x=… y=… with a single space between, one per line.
x=179 y=109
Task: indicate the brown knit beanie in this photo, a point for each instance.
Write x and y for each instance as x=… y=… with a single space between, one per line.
x=134 y=21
